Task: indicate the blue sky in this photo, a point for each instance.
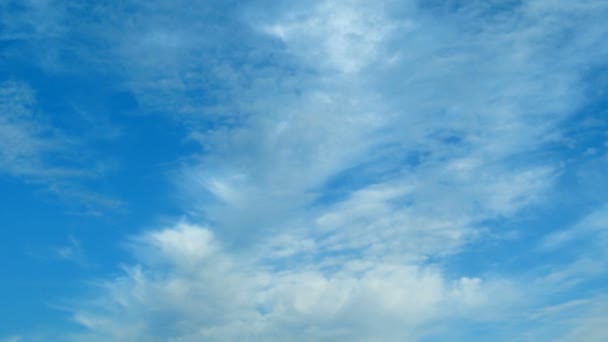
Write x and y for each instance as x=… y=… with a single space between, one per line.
x=320 y=170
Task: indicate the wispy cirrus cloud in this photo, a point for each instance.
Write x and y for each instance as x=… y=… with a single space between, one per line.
x=24 y=140
x=34 y=150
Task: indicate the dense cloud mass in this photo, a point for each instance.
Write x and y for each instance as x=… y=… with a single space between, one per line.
x=367 y=170
x=188 y=286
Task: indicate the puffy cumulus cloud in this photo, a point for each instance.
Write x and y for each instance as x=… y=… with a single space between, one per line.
x=187 y=287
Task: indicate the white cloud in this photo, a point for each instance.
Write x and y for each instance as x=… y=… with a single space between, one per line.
x=469 y=106
x=583 y=245
x=593 y=228
x=575 y=320
x=73 y=252
x=350 y=144
x=592 y=327
x=429 y=123
x=32 y=149
x=345 y=36
x=22 y=142
x=188 y=287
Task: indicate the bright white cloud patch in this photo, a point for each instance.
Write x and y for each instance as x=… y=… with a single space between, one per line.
x=345 y=36
x=188 y=286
